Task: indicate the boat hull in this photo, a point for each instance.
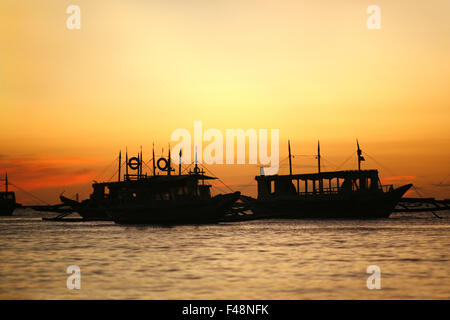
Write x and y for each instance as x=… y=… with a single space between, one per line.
x=87 y=210
x=364 y=205
x=94 y=214
x=175 y=212
x=7 y=210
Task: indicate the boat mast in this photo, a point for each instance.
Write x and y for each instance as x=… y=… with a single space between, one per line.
x=140 y=165
x=318 y=154
x=154 y=166
x=360 y=157
x=126 y=167
x=179 y=164
x=6 y=182
x=196 y=169
x=318 y=164
x=168 y=164
x=120 y=163
x=290 y=161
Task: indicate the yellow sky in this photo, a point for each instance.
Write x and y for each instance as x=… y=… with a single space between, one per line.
x=137 y=70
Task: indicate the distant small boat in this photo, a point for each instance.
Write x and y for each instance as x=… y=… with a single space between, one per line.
x=352 y=194
x=7 y=200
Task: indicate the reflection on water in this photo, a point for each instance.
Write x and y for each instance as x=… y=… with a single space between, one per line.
x=277 y=259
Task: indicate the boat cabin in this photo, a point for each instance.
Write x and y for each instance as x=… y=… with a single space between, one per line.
x=7 y=196
x=319 y=183
x=177 y=187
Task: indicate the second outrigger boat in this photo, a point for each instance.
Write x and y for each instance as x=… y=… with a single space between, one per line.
x=353 y=194
x=156 y=199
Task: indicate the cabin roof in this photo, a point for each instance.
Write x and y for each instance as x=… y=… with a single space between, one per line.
x=323 y=175
x=155 y=180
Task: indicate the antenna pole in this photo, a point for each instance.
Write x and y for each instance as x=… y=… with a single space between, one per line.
x=140 y=164
x=359 y=152
x=120 y=163
x=179 y=165
x=290 y=161
x=126 y=165
x=168 y=164
x=154 y=167
x=318 y=155
x=318 y=162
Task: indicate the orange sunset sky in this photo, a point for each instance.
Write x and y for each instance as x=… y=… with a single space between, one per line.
x=137 y=70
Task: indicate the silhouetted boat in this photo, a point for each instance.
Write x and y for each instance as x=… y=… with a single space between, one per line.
x=157 y=199
x=354 y=194
x=7 y=200
x=88 y=209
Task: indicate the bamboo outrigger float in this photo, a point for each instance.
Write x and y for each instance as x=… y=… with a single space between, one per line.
x=422 y=205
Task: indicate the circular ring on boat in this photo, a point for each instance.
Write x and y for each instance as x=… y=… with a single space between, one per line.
x=133 y=163
x=160 y=167
x=196 y=170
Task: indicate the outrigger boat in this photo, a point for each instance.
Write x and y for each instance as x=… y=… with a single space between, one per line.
x=7 y=200
x=353 y=194
x=156 y=199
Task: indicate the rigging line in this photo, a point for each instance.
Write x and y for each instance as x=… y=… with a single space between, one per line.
x=185 y=169
x=445 y=179
x=245 y=187
x=145 y=163
x=115 y=173
x=284 y=159
x=109 y=180
x=217 y=188
x=216 y=177
x=345 y=161
x=394 y=174
x=100 y=175
x=340 y=166
x=29 y=193
x=420 y=195
x=381 y=165
x=304 y=155
x=326 y=160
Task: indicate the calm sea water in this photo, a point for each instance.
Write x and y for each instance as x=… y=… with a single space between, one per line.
x=275 y=259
